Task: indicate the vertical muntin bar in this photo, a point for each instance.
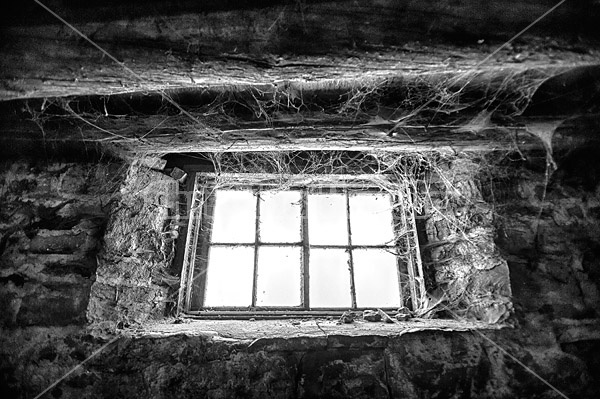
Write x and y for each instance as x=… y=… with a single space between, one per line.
x=256 y=245
x=305 y=277
x=350 y=258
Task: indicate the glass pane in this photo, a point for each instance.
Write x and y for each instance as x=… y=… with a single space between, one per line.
x=327 y=221
x=235 y=217
x=375 y=278
x=230 y=276
x=371 y=219
x=278 y=276
x=329 y=281
x=280 y=218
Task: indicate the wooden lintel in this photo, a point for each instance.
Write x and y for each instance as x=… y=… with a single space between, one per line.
x=264 y=145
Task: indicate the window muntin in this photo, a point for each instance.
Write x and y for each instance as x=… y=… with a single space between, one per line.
x=319 y=244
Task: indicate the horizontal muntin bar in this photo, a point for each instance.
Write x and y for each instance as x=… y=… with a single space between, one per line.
x=251 y=244
x=299 y=244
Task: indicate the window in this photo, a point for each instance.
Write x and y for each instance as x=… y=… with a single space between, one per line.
x=269 y=245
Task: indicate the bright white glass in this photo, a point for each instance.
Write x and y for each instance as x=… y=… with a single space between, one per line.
x=280 y=216
x=278 y=281
x=229 y=277
x=371 y=219
x=329 y=279
x=327 y=220
x=234 y=217
x=375 y=278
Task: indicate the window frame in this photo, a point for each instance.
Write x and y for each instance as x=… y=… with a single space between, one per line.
x=198 y=238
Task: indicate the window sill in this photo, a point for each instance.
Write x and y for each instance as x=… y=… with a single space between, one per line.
x=254 y=330
x=332 y=314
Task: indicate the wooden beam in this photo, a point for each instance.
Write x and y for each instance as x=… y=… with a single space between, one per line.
x=309 y=26
x=330 y=39
x=157 y=135
x=440 y=140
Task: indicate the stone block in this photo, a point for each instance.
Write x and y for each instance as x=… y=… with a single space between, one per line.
x=91 y=207
x=371 y=315
x=84 y=266
x=56 y=305
x=74 y=180
x=121 y=270
x=138 y=304
x=178 y=175
x=551 y=240
x=436 y=364
x=516 y=234
x=152 y=187
x=136 y=229
x=125 y=303
x=589 y=291
x=343 y=373
x=10 y=303
x=102 y=303
x=58 y=242
x=559 y=299
x=491 y=309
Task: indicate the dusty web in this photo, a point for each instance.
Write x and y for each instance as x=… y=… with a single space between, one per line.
x=420 y=186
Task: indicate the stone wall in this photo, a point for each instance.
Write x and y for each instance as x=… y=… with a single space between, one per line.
x=417 y=365
x=51 y=221
x=57 y=219
x=552 y=247
x=469 y=276
x=132 y=280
